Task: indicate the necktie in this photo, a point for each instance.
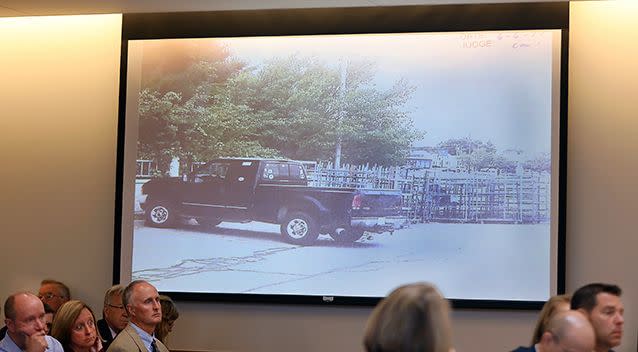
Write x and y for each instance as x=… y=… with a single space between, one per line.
x=154 y=346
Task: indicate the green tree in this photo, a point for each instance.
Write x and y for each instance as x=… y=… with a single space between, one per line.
x=541 y=163
x=303 y=114
x=466 y=145
x=174 y=105
x=203 y=104
x=476 y=155
x=182 y=66
x=157 y=130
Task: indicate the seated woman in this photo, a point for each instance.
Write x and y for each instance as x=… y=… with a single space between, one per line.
x=169 y=315
x=74 y=326
x=413 y=318
x=554 y=305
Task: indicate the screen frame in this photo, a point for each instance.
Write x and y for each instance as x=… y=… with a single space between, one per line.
x=356 y=20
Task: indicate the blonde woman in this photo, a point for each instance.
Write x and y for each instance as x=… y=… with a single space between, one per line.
x=169 y=315
x=74 y=326
x=555 y=304
x=413 y=318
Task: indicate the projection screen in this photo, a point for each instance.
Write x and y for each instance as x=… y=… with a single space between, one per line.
x=331 y=155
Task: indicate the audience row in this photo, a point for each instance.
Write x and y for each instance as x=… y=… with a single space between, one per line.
x=413 y=318
x=135 y=318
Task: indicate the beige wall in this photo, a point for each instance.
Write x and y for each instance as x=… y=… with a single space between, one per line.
x=58 y=119
x=58 y=116
x=602 y=163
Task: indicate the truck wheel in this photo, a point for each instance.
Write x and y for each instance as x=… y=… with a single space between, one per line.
x=209 y=222
x=299 y=228
x=160 y=214
x=347 y=236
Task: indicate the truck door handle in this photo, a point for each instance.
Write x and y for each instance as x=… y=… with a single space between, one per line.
x=240 y=179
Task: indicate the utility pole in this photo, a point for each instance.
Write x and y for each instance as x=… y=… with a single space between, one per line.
x=342 y=112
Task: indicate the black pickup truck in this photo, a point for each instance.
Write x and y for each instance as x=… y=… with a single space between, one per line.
x=266 y=190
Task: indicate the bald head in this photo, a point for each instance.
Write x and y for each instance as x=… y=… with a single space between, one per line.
x=568 y=331
x=24 y=314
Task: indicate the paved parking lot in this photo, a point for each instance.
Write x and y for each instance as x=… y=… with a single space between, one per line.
x=472 y=261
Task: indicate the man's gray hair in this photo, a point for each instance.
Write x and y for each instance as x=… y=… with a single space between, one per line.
x=114 y=291
x=128 y=292
x=65 y=289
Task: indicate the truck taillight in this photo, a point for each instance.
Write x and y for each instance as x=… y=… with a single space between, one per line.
x=356 y=202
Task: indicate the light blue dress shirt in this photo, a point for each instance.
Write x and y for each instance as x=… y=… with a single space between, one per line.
x=7 y=345
x=145 y=336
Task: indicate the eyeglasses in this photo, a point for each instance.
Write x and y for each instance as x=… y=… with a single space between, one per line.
x=114 y=306
x=48 y=295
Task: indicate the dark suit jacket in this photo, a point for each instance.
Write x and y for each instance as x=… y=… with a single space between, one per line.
x=128 y=340
x=525 y=349
x=105 y=333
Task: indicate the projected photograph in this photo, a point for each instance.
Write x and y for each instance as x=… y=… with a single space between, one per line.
x=346 y=165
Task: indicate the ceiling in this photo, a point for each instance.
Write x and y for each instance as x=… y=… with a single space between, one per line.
x=10 y=8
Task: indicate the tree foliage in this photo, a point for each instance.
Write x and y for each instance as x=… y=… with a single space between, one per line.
x=200 y=103
x=476 y=155
x=304 y=111
x=540 y=163
x=466 y=145
x=183 y=113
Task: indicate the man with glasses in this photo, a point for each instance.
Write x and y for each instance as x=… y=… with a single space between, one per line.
x=24 y=316
x=602 y=305
x=114 y=315
x=54 y=293
x=566 y=332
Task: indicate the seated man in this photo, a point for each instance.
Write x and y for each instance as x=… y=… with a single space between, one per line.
x=565 y=331
x=142 y=304
x=48 y=320
x=114 y=315
x=24 y=316
x=54 y=293
x=602 y=305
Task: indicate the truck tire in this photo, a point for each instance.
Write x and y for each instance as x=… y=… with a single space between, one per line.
x=160 y=214
x=347 y=236
x=299 y=228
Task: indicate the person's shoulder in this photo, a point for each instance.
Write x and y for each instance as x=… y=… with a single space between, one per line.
x=4 y=344
x=123 y=340
x=161 y=346
x=54 y=345
x=105 y=332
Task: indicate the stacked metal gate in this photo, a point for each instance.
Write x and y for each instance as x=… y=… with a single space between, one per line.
x=436 y=195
